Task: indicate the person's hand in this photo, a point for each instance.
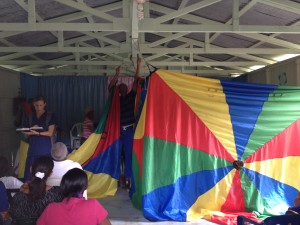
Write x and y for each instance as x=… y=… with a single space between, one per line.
x=113 y=81
x=34 y=132
x=138 y=60
x=118 y=69
x=25 y=187
x=28 y=133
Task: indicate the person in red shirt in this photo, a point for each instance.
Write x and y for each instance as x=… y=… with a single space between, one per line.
x=74 y=209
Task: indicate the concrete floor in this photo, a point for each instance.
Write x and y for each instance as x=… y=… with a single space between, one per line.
x=121 y=212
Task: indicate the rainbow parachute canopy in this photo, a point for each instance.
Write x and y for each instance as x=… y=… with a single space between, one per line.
x=99 y=154
x=214 y=149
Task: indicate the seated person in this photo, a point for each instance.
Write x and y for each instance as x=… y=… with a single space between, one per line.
x=297 y=200
x=296 y=208
x=88 y=124
x=62 y=165
x=34 y=195
x=9 y=182
x=73 y=184
x=3 y=203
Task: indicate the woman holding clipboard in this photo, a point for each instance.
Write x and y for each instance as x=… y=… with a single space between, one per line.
x=41 y=127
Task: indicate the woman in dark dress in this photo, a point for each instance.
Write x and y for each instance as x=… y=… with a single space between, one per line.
x=40 y=141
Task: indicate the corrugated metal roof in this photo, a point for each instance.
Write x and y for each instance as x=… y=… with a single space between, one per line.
x=185 y=35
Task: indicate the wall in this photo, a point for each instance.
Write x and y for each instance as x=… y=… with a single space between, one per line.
x=283 y=73
x=257 y=76
x=9 y=88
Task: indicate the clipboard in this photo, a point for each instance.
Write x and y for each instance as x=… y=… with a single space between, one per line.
x=27 y=129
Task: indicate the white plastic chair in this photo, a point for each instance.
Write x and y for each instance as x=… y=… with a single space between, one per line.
x=75 y=135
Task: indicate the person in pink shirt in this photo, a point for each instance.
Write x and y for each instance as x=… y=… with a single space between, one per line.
x=88 y=126
x=74 y=209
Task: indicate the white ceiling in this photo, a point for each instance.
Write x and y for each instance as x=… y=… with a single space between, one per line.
x=206 y=38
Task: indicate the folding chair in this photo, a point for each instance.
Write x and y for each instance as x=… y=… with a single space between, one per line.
x=75 y=135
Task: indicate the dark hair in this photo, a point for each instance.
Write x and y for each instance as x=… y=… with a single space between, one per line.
x=90 y=115
x=3 y=166
x=74 y=183
x=39 y=98
x=40 y=170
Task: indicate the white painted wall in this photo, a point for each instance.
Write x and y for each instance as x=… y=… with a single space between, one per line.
x=9 y=88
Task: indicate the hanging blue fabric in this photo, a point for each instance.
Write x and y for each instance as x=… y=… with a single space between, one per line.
x=67 y=96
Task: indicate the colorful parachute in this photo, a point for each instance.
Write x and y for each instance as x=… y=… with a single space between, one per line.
x=99 y=154
x=203 y=148
x=214 y=149
x=21 y=162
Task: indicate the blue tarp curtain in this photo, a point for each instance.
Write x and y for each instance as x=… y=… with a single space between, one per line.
x=67 y=96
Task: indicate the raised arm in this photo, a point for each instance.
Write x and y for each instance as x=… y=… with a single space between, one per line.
x=115 y=78
x=137 y=73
